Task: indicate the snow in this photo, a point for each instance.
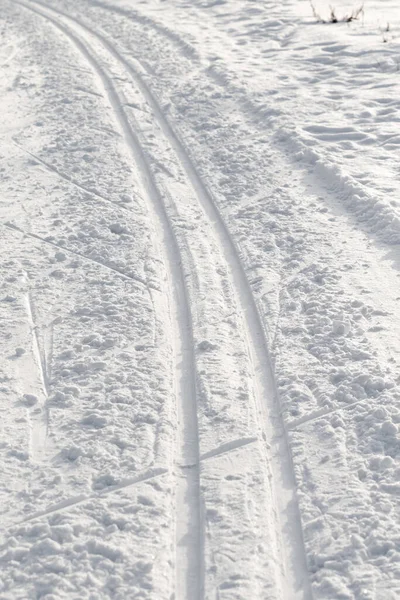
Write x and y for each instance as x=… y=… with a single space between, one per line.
x=199 y=300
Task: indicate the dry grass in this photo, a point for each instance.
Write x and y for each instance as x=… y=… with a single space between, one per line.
x=335 y=18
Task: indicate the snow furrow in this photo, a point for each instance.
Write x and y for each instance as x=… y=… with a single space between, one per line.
x=38 y=412
x=63 y=175
x=266 y=396
x=189 y=528
x=292 y=549
x=370 y=212
x=70 y=503
x=200 y=300
x=76 y=253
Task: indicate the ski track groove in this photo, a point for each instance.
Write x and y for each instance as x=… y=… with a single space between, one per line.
x=48 y=353
x=188 y=482
x=38 y=414
x=69 y=503
x=187 y=49
x=256 y=332
x=34 y=236
x=228 y=447
x=66 y=177
x=319 y=414
x=40 y=354
x=221 y=450
x=266 y=392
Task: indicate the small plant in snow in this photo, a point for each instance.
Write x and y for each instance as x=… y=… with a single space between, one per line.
x=335 y=18
x=385 y=33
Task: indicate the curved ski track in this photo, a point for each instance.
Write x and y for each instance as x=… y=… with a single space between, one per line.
x=289 y=533
x=188 y=484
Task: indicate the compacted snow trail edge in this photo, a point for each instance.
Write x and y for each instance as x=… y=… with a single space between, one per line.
x=192 y=580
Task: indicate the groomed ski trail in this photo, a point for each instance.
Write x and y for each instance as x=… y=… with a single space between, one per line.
x=288 y=535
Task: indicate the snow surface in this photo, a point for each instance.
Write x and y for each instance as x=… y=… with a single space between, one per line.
x=200 y=222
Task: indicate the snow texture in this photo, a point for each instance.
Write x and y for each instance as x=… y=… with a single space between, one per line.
x=199 y=300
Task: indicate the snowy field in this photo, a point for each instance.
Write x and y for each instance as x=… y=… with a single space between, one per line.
x=200 y=300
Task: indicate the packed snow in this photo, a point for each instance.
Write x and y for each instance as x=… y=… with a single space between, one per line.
x=200 y=318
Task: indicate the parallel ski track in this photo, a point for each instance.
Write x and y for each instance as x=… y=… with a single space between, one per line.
x=192 y=581
x=266 y=391
x=292 y=547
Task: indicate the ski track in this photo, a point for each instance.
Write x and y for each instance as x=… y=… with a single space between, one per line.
x=291 y=547
x=71 y=503
x=89 y=259
x=267 y=394
x=325 y=175
x=190 y=571
x=191 y=538
x=38 y=415
x=64 y=176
